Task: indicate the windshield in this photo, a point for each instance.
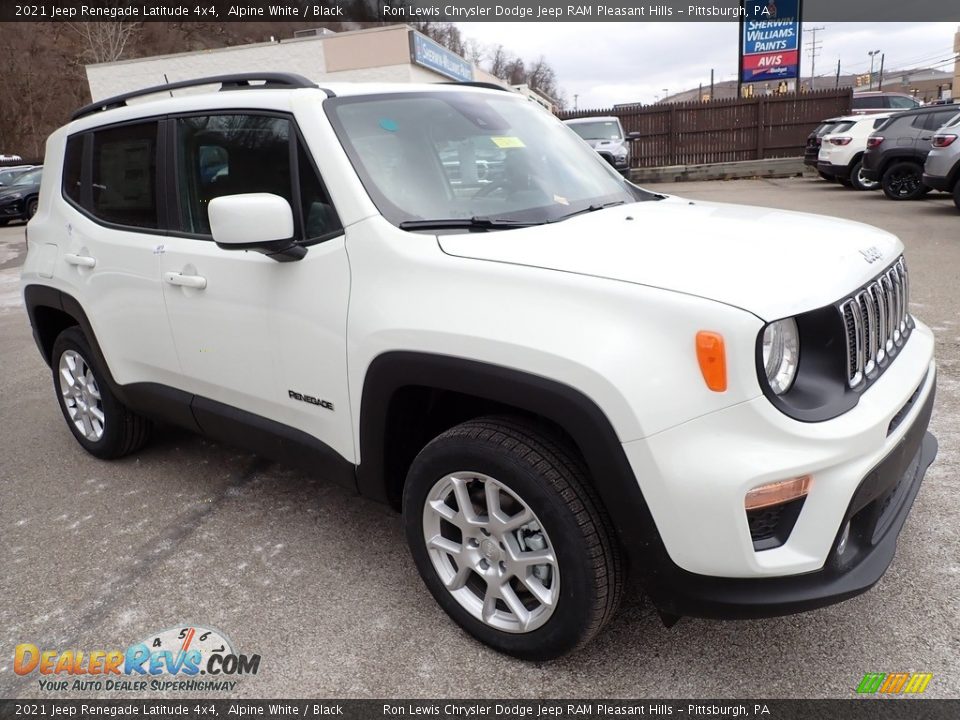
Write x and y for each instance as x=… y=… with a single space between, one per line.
x=28 y=178
x=469 y=155
x=602 y=130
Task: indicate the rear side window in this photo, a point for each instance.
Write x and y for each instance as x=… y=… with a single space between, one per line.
x=863 y=103
x=901 y=103
x=842 y=127
x=73 y=168
x=880 y=122
x=124 y=179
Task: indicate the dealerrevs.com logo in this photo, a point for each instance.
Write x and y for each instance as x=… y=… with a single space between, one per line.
x=188 y=658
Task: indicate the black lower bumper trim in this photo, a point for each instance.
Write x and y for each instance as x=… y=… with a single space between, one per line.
x=937 y=182
x=841 y=172
x=876 y=515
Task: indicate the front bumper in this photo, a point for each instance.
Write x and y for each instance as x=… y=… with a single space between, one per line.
x=703 y=560
x=876 y=515
x=12 y=209
x=937 y=182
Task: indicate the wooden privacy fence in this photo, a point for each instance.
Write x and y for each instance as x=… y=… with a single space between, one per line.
x=694 y=133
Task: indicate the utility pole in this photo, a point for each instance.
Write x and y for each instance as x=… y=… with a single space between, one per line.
x=575 y=96
x=871 y=53
x=838 y=73
x=880 y=78
x=711 y=83
x=814 y=50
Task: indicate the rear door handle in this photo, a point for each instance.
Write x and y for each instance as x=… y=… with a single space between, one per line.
x=80 y=260
x=197 y=282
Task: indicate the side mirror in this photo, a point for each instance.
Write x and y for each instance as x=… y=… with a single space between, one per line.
x=255 y=221
x=633 y=136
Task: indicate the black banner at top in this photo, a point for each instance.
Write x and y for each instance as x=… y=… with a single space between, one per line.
x=320 y=11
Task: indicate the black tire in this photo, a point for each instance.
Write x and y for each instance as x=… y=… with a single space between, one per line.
x=903 y=181
x=123 y=431
x=956 y=195
x=3 y=222
x=859 y=183
x=548 y=476
x=31 y=208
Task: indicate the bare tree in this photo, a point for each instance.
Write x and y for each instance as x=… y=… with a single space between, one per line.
x=104 y=41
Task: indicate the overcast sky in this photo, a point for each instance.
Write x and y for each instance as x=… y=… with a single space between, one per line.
x=608 y=63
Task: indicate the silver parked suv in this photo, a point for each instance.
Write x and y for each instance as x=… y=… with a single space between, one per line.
x=942 y=168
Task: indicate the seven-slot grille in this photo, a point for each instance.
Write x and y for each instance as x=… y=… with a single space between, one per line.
x=877 y=321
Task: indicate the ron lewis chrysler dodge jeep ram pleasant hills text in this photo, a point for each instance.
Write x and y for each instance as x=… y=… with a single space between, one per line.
x=440 y=296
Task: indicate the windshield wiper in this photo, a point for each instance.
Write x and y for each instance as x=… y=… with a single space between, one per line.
x=591 y=208
x=473 y=223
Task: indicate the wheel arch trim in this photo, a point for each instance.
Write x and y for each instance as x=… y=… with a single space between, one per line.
x=578 y=415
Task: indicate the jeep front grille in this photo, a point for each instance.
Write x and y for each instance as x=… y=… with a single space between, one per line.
x=877 y=323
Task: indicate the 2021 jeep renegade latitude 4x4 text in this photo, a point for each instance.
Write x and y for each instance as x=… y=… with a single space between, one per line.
x=441 y=297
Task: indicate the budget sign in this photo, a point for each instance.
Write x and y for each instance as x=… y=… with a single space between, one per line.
x=770 y=40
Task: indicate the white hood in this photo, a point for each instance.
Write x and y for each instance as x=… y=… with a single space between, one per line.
x=773 y=263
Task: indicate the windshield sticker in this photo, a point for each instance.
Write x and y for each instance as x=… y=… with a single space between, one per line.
x=388 y=125
x=507 y=142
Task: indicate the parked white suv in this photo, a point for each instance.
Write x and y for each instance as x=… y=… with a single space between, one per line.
x=606 y=136
x=557 y=377
x=841 y=153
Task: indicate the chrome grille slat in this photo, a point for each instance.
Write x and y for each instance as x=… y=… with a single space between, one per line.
x=877 y=323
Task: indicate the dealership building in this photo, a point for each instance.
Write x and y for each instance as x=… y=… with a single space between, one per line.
x=394 y=53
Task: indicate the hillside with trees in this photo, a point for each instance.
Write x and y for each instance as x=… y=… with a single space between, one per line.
x=45 y=79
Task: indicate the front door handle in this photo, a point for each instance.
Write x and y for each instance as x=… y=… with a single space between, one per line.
x=197 y=282
x=80 y=260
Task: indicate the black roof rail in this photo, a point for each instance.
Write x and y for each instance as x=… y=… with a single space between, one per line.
x=239 y=81
x=477 y=84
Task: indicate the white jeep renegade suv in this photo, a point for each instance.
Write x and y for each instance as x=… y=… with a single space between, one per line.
x=558 y=377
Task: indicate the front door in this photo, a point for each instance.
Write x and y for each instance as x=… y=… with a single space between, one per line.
x=261 y=336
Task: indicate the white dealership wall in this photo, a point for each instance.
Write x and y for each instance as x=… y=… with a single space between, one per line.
x=374 y=55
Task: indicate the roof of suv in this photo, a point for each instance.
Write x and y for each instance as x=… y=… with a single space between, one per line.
x=277 y=89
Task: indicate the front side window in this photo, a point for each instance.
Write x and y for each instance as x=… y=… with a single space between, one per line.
x=229 y=155
x=902 y=103
x=124 y=182
x=471 y=156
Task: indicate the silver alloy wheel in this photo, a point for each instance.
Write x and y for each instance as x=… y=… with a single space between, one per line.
x=81 y=395
x=866 y=184
x=491 y=552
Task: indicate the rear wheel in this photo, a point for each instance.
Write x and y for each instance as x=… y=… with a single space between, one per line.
x=858 y=181
x=511 y=539
x=903 y=181
x=956 y=195
x=103 y=425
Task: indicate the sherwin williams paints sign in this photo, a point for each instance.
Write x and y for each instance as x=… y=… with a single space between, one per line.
x=770 y=40
x=426 y=53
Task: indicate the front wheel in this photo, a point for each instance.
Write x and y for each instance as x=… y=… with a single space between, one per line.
x=511 y=539
x=903 y=181
x=31 y=207
x=858 y=181
x=103 y=425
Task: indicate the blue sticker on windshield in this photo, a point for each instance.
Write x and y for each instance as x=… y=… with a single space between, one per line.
x=388 y=125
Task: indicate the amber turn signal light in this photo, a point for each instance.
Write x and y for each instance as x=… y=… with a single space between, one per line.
x=712 y=357
x=778 y=493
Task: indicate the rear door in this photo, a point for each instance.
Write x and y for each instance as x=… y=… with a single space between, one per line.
x=261 y=336
x=112 y=229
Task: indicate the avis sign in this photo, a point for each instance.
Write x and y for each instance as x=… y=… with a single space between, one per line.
x=770 y=40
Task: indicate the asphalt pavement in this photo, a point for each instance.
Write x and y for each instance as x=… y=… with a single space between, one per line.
x=319 y=583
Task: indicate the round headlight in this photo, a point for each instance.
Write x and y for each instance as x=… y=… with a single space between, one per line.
x=781 y=354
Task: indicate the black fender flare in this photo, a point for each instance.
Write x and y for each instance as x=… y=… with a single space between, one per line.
x=577 y=414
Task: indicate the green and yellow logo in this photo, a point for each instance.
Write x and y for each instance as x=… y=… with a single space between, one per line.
x=894 y=683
